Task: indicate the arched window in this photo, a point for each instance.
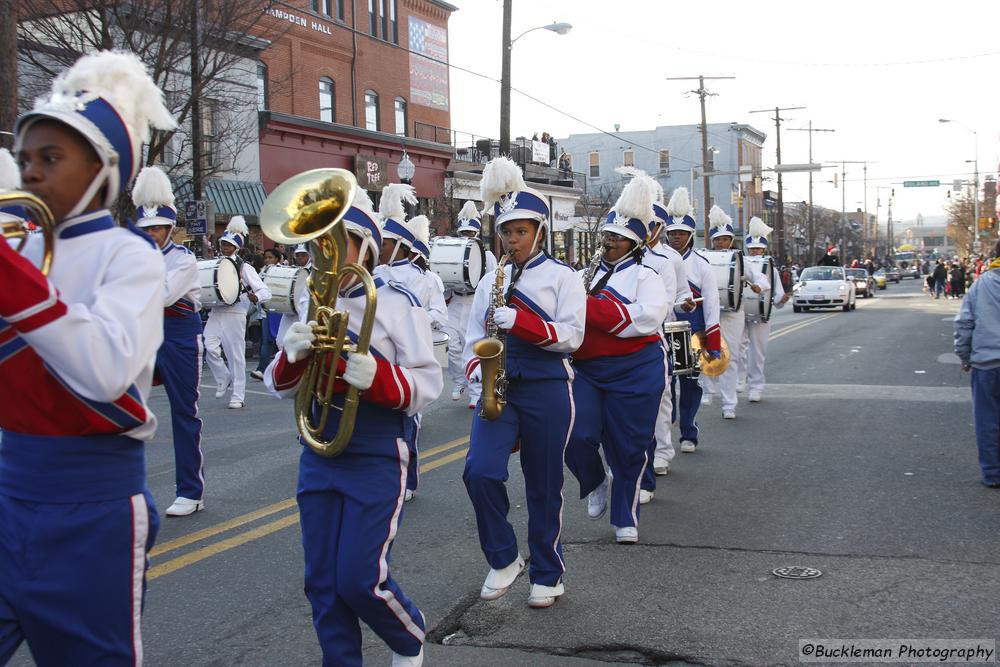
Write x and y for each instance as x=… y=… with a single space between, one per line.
x=400 y=108
x=326 y=99
x=371 y=110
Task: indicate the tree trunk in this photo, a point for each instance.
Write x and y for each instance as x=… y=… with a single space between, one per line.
x=8 y=71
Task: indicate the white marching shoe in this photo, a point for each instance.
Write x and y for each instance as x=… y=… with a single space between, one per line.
x=223 y=387
x=185 y=506
x=626 y=535
x=498 y=582
x=597 y=501
x=741 y=386
x=688 y=446
x=661 y=467
x=456 y=392
x=408 y=660
x=706 y=398
x=408 y=495
x=729 y=414
x=235 y=405
x=645 y=496
x=544 y=596
x=754 y=396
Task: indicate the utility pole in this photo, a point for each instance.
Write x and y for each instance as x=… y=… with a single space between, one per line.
x=505 y=81
x=702 y=94
x=195 y=101
x=843 y=198
x=812 y=228
x=780 y=226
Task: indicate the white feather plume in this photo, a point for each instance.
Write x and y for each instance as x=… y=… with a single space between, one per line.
x=758 y=228
x=362 y=201
x=679 y=204
x=238 y=225
x=500 y=176
x=469 y=211
x=120 y=78
x=152 y=188
x=393 y=196
x=421 y=228
x=718 y=218
x=637 y=197
x=10 y=175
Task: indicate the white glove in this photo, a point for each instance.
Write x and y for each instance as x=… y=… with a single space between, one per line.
x=504 y=317
x=298 y=341
x=477 y=374
x=360 y=370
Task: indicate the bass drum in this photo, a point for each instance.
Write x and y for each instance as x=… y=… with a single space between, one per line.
x=287 y=284
x=220 y=282
x=757 y=307
x=441 y=340
x=458 y=261
x=727 y=267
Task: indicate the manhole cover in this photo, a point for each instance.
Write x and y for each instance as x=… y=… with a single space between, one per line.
x=796 y=572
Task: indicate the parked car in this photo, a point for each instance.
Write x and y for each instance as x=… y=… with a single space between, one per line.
x=880 y=279
x=892 y=273
x=824 y=287
x=864 y=284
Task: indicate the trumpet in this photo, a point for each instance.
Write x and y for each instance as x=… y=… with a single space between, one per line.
x=14 y=230
x=309 y=207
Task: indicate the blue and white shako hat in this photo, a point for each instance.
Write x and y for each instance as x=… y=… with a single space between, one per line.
x=721 y=224
x=758 y=233
x=503 y=190
x=361 y=221
x=110 y=99
x=236 y=232
x=393 y=213
x=468 y=219
x=302 y=247
x=632 y=213
x=154 y=199
x=10 y=179
x=420 y=226
x=679 y=212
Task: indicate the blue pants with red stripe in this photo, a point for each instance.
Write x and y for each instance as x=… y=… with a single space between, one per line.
x=178 y=366
x=350 y=508
x=539 y=414
x=686 y=406
x=618 y=399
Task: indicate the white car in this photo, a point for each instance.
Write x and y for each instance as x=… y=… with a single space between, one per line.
x=824 y=287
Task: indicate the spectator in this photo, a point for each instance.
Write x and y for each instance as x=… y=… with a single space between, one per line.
x=977 y=344
x=565 y=165
x=830 y=258
x=940 y=276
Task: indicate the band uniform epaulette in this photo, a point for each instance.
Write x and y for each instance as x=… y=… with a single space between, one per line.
x=400 y=287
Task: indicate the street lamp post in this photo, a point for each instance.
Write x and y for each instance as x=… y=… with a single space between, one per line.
x=975 y=182
x=406 y=170
x=508 y=44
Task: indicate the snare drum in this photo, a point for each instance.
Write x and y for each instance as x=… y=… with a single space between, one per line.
x=286 y=284
x=757 y=307
x=678 y=335
x=441 y=340
x=727 y=267
x=220 y=282
x=458 y=261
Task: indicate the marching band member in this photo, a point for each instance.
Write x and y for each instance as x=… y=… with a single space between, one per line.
x=540 y=313
x=757 y=333
x=351 y=506
x=732 y=322
x=431 y=290
x=226 y=328
x=704 y=318
x=667 y=262
x=621 y=365
x=397 y=237
x=301 y=256
x=77 y=353
x=178 y=362
x=459 y=306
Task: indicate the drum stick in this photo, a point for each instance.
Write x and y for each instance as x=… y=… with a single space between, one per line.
x=698 y=300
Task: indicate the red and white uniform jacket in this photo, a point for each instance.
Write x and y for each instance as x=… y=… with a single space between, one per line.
x=249 y=280
x=77 y=349
x=668 y=262
x=705 y=317
x=628 y=312
x=551 y=305
x=408 y=377
x=182 y=289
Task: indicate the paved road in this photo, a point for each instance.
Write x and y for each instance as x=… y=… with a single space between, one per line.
x=859 y=462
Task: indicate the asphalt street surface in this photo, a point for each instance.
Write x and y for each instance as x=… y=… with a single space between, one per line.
x=859 y=462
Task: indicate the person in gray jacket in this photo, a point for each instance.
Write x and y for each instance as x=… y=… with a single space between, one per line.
x=977 y=344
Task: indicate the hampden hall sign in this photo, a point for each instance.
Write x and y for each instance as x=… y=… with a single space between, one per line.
x=282 y=15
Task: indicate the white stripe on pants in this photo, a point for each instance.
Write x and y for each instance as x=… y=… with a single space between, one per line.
x=227 y=332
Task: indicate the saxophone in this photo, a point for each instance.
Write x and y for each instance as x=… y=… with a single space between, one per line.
x=595 y=262
x=492 y=351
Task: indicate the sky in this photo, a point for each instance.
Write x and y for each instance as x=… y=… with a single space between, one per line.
x=879 y=73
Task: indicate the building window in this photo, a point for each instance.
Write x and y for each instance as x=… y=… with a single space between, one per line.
x=262 y=104
x=340 y=10
x=385 y=19
x=595 y=165
x=321 y=7
x=664 y=161
x=210 y=134
x=373 y=17
x=371 y=110
x=393 y=25
x=628 y=158
x=400 y=107
x=326 y=99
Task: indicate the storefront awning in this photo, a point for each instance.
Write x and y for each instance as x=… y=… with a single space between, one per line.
x=228 y=197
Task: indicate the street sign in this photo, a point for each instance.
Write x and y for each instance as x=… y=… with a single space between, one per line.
x=921 y=184
x=788 y=168
x=197 y=212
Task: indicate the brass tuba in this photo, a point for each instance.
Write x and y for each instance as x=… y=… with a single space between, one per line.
x=492 y=351
x=41 y=215
x=309 y=207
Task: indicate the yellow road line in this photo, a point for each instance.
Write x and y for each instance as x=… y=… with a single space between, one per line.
x=437 y=463
x=795 y=327
x=221 y=527
x=445 y=447
x=225 y=545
